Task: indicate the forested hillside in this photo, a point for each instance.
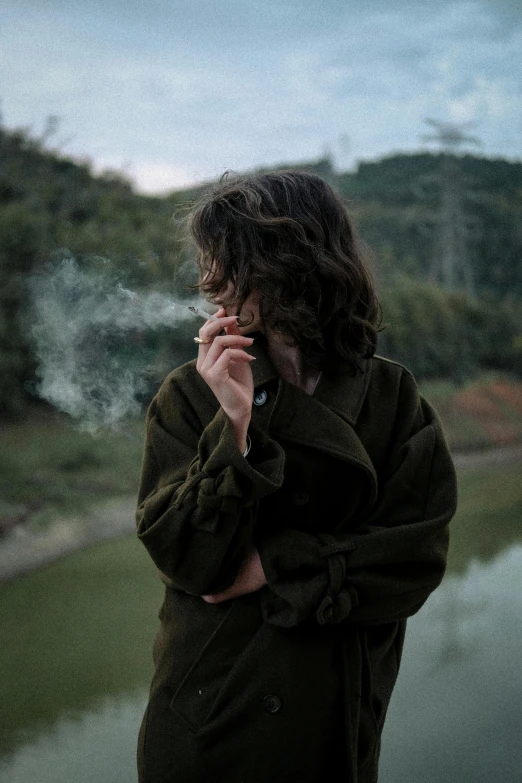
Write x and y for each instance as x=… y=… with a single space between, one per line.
x=397 y=201
x=49 y=204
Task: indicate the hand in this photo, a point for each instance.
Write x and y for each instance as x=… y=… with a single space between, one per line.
x=250 y=578
x=224 y=366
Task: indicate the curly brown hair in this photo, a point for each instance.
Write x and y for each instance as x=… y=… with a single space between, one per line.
x=287 y=236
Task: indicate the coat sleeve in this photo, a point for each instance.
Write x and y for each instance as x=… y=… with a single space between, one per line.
x=198 y=494
x=383 y=567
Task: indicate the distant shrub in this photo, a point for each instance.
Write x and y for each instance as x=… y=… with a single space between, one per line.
x=437 y=333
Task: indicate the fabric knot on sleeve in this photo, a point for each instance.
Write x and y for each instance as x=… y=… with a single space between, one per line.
x=216 y=496
x=216 y=502
x=334 y=608
x=208 y=502
x=207 y=488
x=336 y=603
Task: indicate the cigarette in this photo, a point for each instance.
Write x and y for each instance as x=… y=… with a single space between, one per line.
x=203 y=314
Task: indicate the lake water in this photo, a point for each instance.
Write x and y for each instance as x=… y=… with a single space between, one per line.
x=75 y=659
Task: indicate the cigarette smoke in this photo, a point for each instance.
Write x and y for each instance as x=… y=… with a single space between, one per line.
x=91 y=339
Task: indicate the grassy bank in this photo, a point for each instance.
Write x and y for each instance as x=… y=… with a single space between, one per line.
x=50 y=469
x=485 y=412
x=75 y=633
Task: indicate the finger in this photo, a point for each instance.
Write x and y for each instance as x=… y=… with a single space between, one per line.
x=209 y=331
x=217 y=598
x=231 y=340
x=219 y=368
x=233 y=328
x=219 y=344
x=213 y=328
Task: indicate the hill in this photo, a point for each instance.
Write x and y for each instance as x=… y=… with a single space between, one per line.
x=49 y=203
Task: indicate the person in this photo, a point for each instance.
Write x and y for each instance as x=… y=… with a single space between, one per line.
x=295 y=496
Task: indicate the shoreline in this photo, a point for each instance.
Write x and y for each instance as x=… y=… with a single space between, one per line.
x=22 y=552
x=490 y=456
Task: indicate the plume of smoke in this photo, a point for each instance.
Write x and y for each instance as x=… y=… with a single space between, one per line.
x=88 y=331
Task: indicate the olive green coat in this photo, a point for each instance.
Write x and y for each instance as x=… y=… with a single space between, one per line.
x=347 y=494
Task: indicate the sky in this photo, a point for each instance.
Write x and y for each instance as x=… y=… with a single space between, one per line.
x=175 y=92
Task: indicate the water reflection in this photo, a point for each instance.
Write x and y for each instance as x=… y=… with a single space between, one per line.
x=456 y=711
x=98 y=746
x=455 y=714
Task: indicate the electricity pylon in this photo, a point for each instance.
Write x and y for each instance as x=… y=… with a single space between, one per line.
x=450 y=263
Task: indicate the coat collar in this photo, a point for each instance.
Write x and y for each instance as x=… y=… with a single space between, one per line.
x=324 y=420
x=342 y=392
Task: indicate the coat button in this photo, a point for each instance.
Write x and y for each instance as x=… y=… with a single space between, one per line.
x=272 y=703
x=260 y=397
x=300 y=498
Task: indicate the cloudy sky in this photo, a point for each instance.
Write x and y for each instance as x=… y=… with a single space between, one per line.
x=177 y=91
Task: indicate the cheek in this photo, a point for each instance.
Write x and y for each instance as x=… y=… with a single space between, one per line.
x=231 y=309
x=228 y=293
x=226 y=298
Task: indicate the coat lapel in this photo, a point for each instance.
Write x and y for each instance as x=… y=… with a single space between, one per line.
x=324 y=420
